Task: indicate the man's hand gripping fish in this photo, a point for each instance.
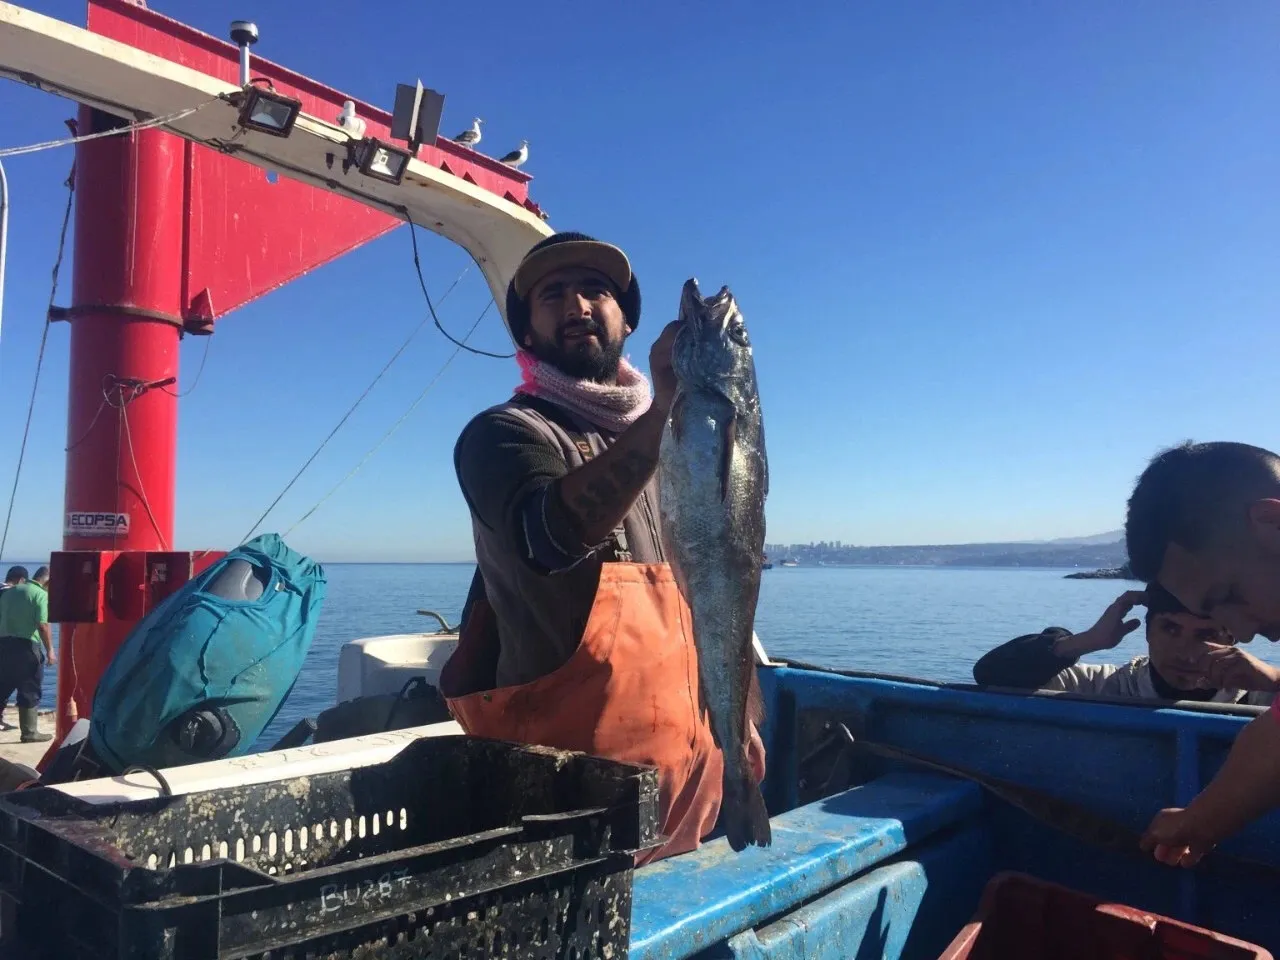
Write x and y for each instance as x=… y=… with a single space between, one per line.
x=714 y=477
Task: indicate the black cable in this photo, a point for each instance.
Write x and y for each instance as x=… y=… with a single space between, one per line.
x=165 y=789
x=417 y=265
x=200 y=370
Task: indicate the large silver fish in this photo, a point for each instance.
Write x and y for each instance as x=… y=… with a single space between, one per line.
x=713 y=478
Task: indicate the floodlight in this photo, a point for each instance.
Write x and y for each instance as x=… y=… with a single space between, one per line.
x=382 y=161
x=268 y=112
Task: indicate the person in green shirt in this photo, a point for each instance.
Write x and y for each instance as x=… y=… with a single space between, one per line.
x=25 y=644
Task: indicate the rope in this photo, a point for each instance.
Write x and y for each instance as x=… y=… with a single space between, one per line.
x=460 y=344
x=119 y=393
x=44 y=340
x=92 y=423
x=57 y=266
x=352 y=409
x=395 y=426
x=142 y=491
x=114 y=131
x=115 y=529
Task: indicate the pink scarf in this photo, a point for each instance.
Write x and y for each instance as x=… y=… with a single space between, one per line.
x=611 y=407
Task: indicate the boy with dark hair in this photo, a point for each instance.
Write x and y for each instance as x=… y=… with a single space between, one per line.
x=1188 y=658
x=1204 y=521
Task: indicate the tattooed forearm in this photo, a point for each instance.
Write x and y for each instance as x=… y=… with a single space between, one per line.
x=634 y=467
x=588 y=509
x=600 y=492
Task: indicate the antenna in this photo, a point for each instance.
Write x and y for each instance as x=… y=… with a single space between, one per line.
x=244 y=34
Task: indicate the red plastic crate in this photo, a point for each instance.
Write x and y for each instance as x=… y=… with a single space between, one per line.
x=1022 y=918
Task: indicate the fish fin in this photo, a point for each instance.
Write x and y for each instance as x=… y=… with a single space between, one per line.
x=764 y=464
x=704 y=711
x=746 y=819
x=726 y=454
x=677 y=416
x=755 y=699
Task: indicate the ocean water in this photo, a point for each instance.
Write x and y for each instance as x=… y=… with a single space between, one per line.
x=926 y=622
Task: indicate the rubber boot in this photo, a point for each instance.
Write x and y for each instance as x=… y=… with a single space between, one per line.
x=28 y=720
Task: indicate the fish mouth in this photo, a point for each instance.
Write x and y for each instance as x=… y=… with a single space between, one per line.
x=692 y=307
x=700 y=312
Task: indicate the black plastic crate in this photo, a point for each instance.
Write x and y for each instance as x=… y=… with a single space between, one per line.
x=458 y=847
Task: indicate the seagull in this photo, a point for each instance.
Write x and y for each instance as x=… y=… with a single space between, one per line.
x=469 y=138
x=349 y=122
x=516 y=158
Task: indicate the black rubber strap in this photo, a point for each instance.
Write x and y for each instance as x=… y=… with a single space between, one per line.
x=165 y=789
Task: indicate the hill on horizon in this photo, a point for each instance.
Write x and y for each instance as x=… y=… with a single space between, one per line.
x=1111 y=536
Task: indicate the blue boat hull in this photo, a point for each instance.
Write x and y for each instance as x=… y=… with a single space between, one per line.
x=894 y=866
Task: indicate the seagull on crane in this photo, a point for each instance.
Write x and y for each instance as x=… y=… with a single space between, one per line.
x=349 y=122
x=469 y=138
x=516 y=158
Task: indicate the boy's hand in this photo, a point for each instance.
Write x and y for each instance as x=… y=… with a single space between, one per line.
x=1247 y=786
x=1176 y=839
x=1230 y=668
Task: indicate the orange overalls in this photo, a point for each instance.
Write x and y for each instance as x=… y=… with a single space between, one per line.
x=629 y=692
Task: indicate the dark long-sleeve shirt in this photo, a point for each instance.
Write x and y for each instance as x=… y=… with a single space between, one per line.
x=535 y=570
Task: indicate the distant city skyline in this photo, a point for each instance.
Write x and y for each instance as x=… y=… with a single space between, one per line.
x=1111 y=536
x=1105 y=550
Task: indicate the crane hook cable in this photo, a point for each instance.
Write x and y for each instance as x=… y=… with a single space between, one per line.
x=352 y=409
x=44 y=340
x=396 y=426
x=113 y=132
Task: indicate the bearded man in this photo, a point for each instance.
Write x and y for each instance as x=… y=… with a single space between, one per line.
x=574 y=634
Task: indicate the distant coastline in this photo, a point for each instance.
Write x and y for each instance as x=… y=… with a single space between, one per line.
x=1097 y=557
x=1104 y=551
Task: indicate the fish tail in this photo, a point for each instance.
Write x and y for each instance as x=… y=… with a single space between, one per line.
x=746 y=820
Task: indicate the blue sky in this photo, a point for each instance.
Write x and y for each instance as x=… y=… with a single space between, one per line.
x=992 y=256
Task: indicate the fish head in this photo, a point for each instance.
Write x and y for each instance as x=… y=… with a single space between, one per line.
x=712 y=349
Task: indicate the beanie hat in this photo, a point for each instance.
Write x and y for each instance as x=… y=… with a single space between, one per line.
x=569 y=249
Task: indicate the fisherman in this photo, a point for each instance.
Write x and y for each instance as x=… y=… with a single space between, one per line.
x=575 y=634
x=15 y=576
x=25 y=645
x=1189 y=658
x=1204 y=520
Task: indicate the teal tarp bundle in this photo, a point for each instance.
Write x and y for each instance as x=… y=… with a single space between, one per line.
x=204 y=673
